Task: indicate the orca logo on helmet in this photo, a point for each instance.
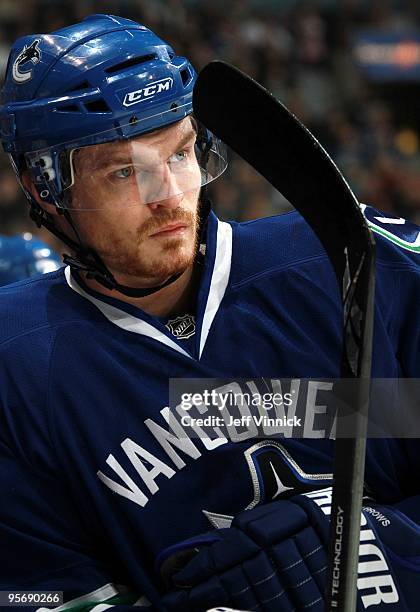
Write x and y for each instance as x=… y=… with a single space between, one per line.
x=31 y=53
x=152 y=89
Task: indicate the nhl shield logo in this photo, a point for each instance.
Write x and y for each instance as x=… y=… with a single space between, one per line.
x=25 y=61
x=182 y=327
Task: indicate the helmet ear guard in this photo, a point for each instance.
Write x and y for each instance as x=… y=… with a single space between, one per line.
x=44 y=174
x=51 y=172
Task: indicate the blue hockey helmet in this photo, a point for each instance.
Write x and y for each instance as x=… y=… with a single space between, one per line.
x=104 y=79
x=24 y=256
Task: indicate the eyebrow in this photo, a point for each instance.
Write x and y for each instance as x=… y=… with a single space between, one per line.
x=124 y=158
x=188 y=136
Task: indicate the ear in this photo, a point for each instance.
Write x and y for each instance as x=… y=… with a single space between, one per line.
x=30 y=187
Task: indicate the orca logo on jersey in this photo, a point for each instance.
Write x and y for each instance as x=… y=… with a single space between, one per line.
x=148 y=92
x=30 y=53
x=274 y=475
x=182 y=327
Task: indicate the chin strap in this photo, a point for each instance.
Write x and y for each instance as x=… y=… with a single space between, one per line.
x=86 y=260
x=109 y=281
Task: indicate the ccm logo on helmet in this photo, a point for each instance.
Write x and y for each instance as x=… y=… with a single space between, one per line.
x=148 y=92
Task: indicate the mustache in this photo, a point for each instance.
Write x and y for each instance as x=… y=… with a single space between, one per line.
x=164 y=217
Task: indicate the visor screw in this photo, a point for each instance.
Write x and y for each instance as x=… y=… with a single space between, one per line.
x=174 y=106
x=133 y=120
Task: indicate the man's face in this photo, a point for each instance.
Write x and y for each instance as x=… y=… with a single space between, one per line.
x=135 y=202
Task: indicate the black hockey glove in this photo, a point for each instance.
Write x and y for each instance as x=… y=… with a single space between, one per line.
x=274 y=558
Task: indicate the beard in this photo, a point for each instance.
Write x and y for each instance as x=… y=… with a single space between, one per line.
x=141 y=261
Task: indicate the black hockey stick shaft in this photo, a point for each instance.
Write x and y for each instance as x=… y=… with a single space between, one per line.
x=272 y=140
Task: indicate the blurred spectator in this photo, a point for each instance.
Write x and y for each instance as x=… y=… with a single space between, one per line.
x=24 y=256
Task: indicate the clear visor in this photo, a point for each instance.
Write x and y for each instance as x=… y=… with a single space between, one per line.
x=150 y=168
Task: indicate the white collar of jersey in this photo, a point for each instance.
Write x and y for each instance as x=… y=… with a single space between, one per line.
x=218 y=284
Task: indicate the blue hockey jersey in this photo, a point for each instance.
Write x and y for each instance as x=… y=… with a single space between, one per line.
x=93 y=484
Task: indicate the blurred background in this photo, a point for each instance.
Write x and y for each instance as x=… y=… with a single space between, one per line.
x=350 y=69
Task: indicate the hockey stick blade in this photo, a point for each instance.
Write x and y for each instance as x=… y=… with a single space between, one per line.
x=272 y=140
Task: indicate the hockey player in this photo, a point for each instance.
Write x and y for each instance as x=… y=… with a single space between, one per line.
x=101 y=487
x=25 y=256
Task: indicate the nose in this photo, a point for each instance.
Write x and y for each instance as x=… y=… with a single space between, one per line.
x=164 y=191
x=170 y=202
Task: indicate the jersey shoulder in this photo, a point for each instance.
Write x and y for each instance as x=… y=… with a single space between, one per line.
x=272 y=244
x=287 y=242
x=38 y=304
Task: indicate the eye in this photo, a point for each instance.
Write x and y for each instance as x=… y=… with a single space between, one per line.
x=124 y=173
x=178 y=157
